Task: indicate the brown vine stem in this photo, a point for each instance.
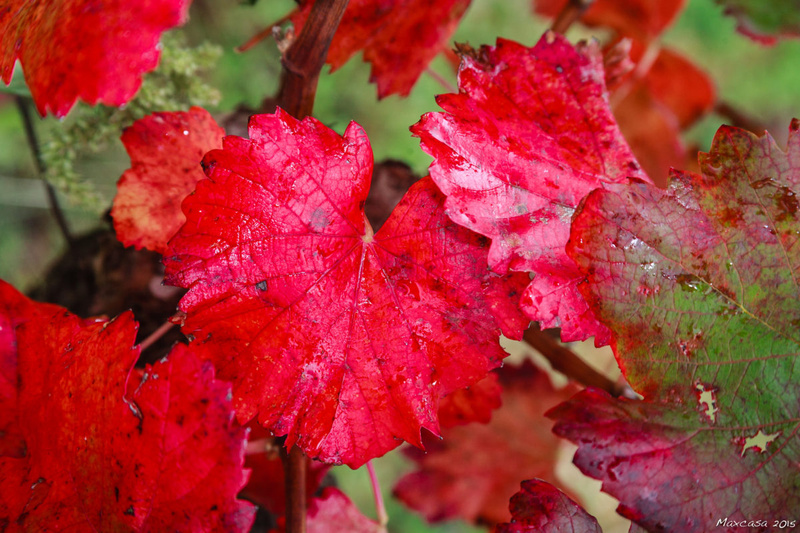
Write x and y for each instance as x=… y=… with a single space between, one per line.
x=739 y=119
x=302 y=64
x=294 y=468
x=572 y=11
x=304 y=60
x=568 y=363
x=33 y=143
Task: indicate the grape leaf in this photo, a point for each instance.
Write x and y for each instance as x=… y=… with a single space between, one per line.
x=340 y=339
x=471 y=404
x=699 y=285
x=399 y=38
x=764 y=20
x=653 y=109
x=165 y=150
x=539 y=506
x=106 y=452
x=474 y=470
x=528 y=136
x=333 y=512
x=15 y=309
x=72 y=49
x=641 y=19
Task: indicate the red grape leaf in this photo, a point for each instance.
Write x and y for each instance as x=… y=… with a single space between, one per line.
x=266 y=486
x=399 y=38
x=653 y=107
x=341 y=340
x=473 y=471
x=765 y=20
x=539 y=506
x=699 y=284
x=528 y=136
x=471 y=404
x=333 y=512
x=165 y=455
x=642 y=19
x=14 y=310
x=165 y=150
x=72 y=49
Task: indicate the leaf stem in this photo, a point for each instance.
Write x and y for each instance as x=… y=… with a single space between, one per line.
x=572 y=11
x=304 y=60
x=263 y=34
x=157 y=334
x=438 y=78
x=568 y=363
x=380 y=508
x=294 y=467
x=33 y=143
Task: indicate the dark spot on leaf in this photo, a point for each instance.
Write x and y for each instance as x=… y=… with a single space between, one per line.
x=262 y=285
x=129 y=511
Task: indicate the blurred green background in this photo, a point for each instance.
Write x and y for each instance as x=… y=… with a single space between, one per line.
x=759 y=81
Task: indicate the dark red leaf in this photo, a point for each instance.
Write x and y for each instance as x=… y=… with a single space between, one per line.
x=333 y=512
x=473 y=471
x=528 y=136
x=165 y=150
x=340 y=339
x=642 y=19
x=399 y=38
x=699 y=285
x=653 y=106
x=106 y=451
x=539 y=506
x=72 y=49
x=472 y=404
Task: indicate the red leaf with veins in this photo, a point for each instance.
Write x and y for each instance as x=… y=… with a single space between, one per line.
x=528 y=136
x=333 y=512
x=72 y=49
x=642 y=19
x=15 y=309
x=539 y=506
x=106 y=452
x=699 y=284
x=340 y=339
x=165 y=150
x=399 y=37
x=473 y=471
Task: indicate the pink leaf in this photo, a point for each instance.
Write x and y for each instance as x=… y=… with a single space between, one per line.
x=528 y=136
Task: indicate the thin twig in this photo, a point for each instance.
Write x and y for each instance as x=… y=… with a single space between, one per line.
x=568 y=363
x=572 y=11
x=263 y=34
x=380 y=508
x=294 y=467
x=304 y=60
x=157 y=334
x=449 y=87
x=33 y=143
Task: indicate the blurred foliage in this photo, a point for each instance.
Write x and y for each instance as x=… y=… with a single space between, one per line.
x=85 y=159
